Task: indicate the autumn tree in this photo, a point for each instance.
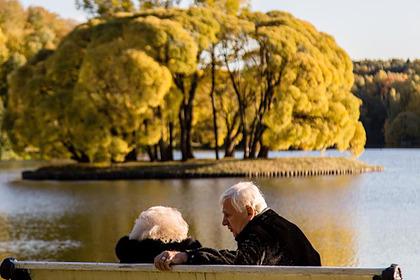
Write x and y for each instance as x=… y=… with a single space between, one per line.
x=158 y=78
x=203 y=25
x=23 y=33
x=293 y=86
x=226 y=121
x=227 y=6
x=105 y=7
x=150 y=4
x=99 y=91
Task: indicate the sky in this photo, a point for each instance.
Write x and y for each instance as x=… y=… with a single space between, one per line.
x=372 y=29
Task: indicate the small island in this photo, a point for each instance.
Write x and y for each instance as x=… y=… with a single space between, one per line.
x=204 y=168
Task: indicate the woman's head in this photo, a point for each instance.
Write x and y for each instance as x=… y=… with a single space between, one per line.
x=161 y=223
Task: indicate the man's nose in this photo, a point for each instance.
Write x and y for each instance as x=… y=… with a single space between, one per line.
x=224 y=222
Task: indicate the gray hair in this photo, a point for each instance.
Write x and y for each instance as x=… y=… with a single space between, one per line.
x=161 y=223
x=245 y=194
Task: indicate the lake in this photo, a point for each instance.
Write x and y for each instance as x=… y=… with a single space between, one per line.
x=369 y=220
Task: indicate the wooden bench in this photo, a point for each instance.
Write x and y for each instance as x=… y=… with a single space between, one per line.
x=26 y=270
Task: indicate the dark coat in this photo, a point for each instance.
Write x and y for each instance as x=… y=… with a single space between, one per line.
x=268 y=239
x=144 y=251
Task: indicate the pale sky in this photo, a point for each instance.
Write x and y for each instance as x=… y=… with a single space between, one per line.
x=374 y=29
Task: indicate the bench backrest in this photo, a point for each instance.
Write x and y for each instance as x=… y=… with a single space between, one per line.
x=104 y=271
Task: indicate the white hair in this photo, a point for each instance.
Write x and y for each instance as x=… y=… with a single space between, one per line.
x=161 y=223
x=244 y=194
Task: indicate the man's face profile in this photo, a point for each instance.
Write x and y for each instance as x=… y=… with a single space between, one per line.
x=233 y=219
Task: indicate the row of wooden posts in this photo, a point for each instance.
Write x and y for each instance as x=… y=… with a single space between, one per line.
x=314 y=172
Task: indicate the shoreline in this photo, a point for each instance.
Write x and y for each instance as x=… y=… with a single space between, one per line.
x=205 y=168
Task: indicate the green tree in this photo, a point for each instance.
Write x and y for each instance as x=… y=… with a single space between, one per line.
x=387 y=87
x=403 y=122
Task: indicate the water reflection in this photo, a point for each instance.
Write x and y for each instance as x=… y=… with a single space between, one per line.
x=81 y=221
x=368 y=220
x=4 y=236
x=312 y=204
x=27 y=237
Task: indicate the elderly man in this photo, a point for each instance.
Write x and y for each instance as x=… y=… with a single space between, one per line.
x=263 y=237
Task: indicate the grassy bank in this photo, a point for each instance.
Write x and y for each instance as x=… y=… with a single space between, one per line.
x=277 y=167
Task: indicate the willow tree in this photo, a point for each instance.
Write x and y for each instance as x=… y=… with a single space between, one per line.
x=105 y=7
x=100 y=88
x=225 y=122
x=227 y=20
x=202 y=24
x=150 y=4
x=231 y=7
x=293 y=87
x=317 y=108
x=23 y=33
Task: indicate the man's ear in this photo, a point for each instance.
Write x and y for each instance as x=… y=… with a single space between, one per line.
x=250 y=212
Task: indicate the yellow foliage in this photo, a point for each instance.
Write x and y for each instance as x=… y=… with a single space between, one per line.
x=314 y=106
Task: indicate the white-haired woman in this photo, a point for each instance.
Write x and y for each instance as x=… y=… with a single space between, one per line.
x=156 y=229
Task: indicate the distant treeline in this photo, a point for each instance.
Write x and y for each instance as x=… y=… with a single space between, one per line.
x=390 y=91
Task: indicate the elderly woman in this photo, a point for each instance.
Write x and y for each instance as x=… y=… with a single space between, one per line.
x=156 y=229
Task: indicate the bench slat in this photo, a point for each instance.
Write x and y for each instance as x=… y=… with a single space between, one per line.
x=116 y=271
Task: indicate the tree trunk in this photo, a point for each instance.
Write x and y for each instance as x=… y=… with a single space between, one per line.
x=254 y=150
x=245 y=137
x=131 y=156
x=229 y=148
x=188 y=124
x=165 y=151
x=171 y=141
x=263 y=151
x=256 y=144
x=77 y=156
x=213 y=106
x=150 y=152
x=182 y=142
x=185 y=115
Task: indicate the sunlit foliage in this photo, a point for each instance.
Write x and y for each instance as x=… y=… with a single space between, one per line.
x=99 y=89
x=165 y=77
x=23 y=33
x=293 y=88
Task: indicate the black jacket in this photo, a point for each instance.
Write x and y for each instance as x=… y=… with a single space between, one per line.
x=268 y=239
x=144 y=251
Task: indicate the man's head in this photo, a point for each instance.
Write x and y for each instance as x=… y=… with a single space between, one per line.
x=240 y=204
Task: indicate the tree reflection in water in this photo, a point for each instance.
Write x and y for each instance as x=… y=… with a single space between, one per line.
x=81 y=221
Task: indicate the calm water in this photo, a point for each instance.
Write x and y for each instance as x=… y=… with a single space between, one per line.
x=368 y=220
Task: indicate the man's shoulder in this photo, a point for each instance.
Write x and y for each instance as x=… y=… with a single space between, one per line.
x=269 y=225
x=271 y=218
